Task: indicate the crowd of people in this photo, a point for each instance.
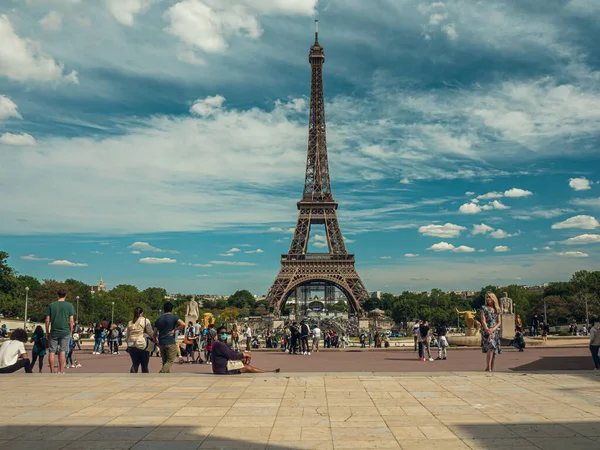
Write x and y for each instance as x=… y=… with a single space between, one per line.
x=143 y=339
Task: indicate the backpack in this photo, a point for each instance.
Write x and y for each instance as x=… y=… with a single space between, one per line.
x=44 y=342
x=114 y=333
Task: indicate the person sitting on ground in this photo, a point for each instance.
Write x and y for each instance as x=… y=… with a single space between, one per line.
x=227 y=362
x=13 y=356
x=518 y=342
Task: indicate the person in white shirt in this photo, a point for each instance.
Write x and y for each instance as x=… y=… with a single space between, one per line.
x=415 y=331
x=316 y=334
x=13 y=356
x=248 y=336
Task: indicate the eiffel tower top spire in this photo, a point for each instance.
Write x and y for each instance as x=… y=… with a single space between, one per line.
x=317 y=184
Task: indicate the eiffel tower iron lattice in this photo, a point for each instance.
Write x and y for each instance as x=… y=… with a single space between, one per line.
x=317 y=206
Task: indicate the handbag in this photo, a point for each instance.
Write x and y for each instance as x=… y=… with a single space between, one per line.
x=44 y=343
x=234 y=365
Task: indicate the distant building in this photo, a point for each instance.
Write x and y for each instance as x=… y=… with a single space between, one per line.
x=100 y=288
x=376 y=294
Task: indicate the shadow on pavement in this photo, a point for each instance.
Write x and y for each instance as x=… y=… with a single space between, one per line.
x=549 y=363
x=522 y=436
x=106 y=437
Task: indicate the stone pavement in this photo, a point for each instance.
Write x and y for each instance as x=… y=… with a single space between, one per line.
x=286 y=411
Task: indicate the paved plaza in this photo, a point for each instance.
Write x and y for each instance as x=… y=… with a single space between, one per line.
x=334 y=361
x=301 y=411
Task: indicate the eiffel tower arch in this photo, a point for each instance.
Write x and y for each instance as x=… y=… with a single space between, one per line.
x=317 y=206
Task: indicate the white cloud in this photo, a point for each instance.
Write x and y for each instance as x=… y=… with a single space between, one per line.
x=516 y=192
x=495 y=205
x=349 y=241
x=23 y=59
x=258 y=250
x=580 y=184
x=463 y=249
x=17 y=139
x=207 y=29
x=157 y=261
x=450 y=30
x=583 y=239
x=32 y=257
x=448 y=230
x=547 y=248
x=126 y=10
x=490 y=195
x=233 y=250
x=411 y=255
x=581 y=221
x=226 y=254
x=445 y=247
x=501 y=234
x=233 y=263
x=436 y=18
x=470 y=208
x=8 y=108
x=52 y=21
x=64 y=262
x=405 y=181
x=501 y=248
x=385 y=257
x=146 y=247
x=542 y=213
x=135 y=252
x=96 y=252
x=319 y=240
x=573 y=254
x=481 y=229
x=593 y=202
x=469 y=193
x=208 y=106
x=208 y=25
x=202 y=265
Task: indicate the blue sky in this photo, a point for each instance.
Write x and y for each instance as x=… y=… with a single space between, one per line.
x=163 y=142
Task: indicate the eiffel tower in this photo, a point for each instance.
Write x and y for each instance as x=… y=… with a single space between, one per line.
x=335 y=268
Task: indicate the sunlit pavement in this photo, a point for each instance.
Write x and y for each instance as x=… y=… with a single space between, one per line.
x=286 y=411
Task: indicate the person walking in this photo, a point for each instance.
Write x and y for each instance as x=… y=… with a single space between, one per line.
x=425 y=341
x=316 y=334
x=248 y=336
x=59 y=326
x=304 y=332
x=235 y=338
x=490 y=324
x=595 y=344
x=140 y=341
x=164 y=329
x=40 y=344
x=535 y=323
x=441 y=332
x=415 y=331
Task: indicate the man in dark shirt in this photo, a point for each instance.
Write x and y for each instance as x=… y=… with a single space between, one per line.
x=295 y=334
x=424 y=341
x=164 y=328
x=59 y=326
x=222 y=353
x=304 y=332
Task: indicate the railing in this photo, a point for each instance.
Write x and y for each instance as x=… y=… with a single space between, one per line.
x=318 y=257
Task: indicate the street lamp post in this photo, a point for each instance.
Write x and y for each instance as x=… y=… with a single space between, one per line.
x=77 y=311
x=587 y=315
x=112 y=313
x=26 y=301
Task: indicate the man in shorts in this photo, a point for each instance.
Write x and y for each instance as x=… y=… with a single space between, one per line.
x=316 y=334
x=59 y=326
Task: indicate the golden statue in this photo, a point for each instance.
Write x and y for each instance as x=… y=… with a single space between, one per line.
x=469 y=317
x=208 y=319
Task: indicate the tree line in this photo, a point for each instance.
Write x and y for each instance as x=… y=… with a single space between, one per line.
x=565 y=301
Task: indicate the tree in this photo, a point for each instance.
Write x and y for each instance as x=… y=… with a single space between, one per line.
x=241 y=299
x=7 y=274
x=260 y=311
x=230 y=313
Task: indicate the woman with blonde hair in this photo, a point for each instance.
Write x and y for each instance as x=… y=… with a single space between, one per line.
x=490 y=325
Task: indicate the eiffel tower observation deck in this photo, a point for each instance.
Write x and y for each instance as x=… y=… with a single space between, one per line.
x=335 y=268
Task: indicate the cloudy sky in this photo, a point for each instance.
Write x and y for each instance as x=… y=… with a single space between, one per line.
x=163 y=142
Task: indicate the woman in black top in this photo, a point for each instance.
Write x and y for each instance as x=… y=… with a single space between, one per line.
x=221 y=354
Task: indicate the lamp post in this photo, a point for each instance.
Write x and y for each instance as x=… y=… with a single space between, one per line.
x=26 y=301
x=112 y=313
x=77 y=311
x=587 y=315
